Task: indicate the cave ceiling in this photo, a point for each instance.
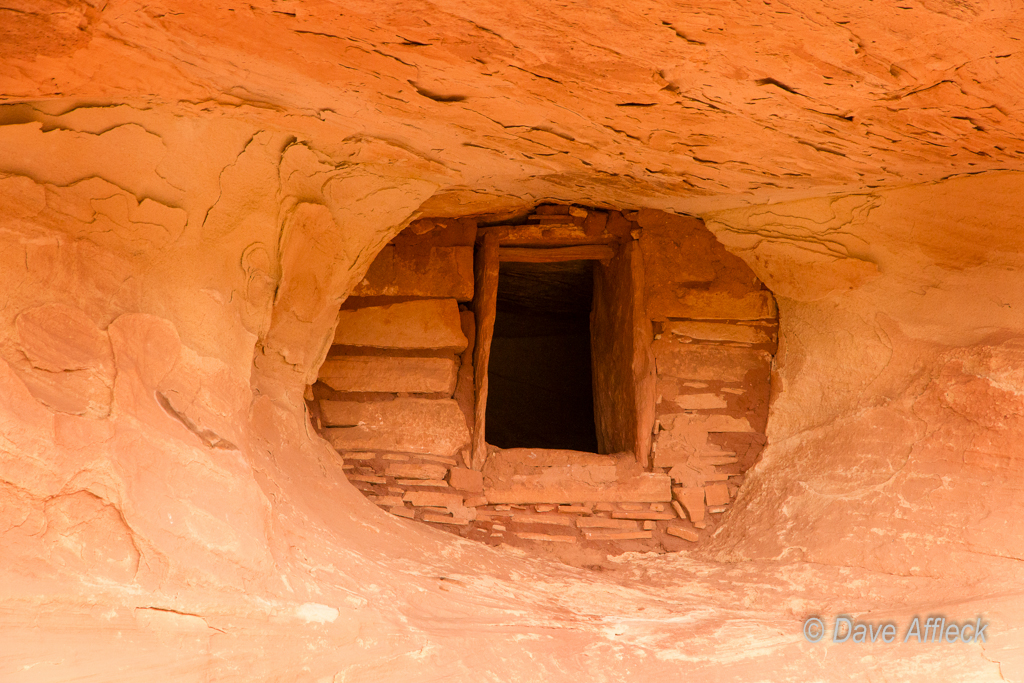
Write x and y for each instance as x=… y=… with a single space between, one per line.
x=190 y=191
x=684 y=106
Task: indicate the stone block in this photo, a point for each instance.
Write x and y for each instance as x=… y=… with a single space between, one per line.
x=709 y=362
x=451 y=462
x=692 y=499
x=716 y=494
x=684 y=438
x=718 y=459
x=695 y=402
x=420 y=271
x=416 y=471
x=682 y=532
x=358 y=456
x=612 y=535
x=604 y=523
x=521 y=460
x=528 y=536
x=433 y=499
x=535 y=518
x=412 y=425
x=706 y=331
x=442 y=519
x=689 y=274
x=367 y=478
x=390 y=374
x=677 y=253
x=427 y=324
x=712 y=305
x=675 y=450
x=403 y=511
x=552 y=488
x=706 y=423
x=466 y=479
x=435 y=483
x=675 y=395
x=643 y=514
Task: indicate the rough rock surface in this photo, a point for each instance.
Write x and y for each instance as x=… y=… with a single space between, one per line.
x=187 y=195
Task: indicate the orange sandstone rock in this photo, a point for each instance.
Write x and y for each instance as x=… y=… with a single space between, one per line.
x=425 y=324
x=393 y=374
x=466 y=479
x=405 y=424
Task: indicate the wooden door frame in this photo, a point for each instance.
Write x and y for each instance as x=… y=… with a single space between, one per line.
x=490 y=254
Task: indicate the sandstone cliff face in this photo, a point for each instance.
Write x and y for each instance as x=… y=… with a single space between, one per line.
x=189 y=195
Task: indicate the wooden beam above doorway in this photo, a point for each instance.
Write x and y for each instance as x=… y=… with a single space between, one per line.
x=583 y=252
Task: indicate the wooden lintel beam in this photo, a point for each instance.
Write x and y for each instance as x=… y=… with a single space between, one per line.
x=583 y=252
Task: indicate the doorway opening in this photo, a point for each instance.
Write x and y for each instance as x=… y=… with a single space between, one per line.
x=540 y=377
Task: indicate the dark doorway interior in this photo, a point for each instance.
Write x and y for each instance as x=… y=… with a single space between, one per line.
x=539 y=375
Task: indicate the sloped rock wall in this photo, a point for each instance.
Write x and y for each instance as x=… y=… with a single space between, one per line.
x=897 y=416
x=201 y=518
x=187 y=194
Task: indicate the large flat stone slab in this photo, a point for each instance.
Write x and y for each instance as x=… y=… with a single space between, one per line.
x=713 y=305
x=391 y=374
x=674 y=396
x=425 y=324
x=538 y=476
x=709 y=361
x=689 y=274
x=562 y=485
x=420 y=271
x=685 y=436
x=711 y=331
x=705 y=423
x=412 y=425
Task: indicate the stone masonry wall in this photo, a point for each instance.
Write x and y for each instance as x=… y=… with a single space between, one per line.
x=715 y=334
x=395 y=395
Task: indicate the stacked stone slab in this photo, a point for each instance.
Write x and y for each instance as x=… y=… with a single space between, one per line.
x=436 y=490
x=569 y=497
x=627 y=508
x=715 y=334
x=396 y=394
x=386 y=395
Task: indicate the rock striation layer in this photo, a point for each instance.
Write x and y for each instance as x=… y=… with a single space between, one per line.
x=188 y=196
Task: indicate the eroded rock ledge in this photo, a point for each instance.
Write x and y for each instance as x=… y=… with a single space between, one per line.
x=183 y=213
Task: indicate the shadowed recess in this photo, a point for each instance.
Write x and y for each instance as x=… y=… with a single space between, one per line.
x=541 y=393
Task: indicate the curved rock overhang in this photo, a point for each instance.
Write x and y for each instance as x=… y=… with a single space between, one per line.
x=185 y=209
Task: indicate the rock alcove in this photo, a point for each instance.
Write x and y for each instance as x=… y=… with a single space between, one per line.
x=193 y=195
x=455 y=394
